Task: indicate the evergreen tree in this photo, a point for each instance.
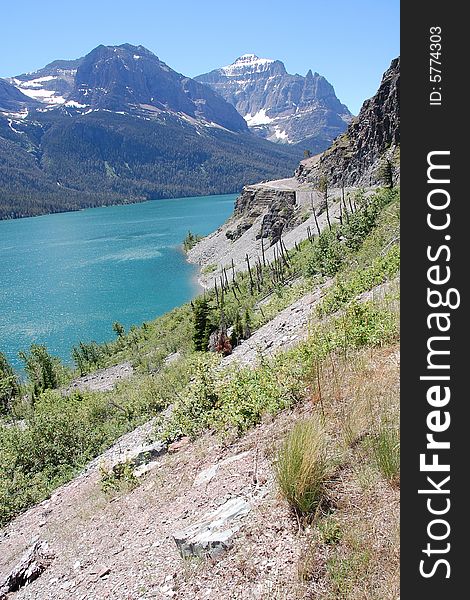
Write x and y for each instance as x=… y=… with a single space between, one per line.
x=118 y=329
x=385 y=173
x=247 y=325
x=9 y=386
x=43 y=369
x=202 y=324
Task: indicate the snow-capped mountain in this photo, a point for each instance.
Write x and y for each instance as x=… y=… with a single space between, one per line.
x=126 y=78
x=279 y=106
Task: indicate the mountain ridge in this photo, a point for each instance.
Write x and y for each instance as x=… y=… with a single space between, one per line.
x=372 y=137
x=119 y=125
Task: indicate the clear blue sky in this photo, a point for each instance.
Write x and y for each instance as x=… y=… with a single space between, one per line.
x=350 y=42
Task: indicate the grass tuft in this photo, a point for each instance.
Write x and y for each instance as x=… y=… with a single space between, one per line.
x=386 y=452
x=302 y=468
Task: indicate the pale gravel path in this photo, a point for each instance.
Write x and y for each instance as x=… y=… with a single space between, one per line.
x=288 y=328
x=103 y=380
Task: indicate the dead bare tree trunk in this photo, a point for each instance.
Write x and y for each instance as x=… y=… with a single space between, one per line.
x=350 y=203
x=247 y=258
x=327 y=209
x=343 y=200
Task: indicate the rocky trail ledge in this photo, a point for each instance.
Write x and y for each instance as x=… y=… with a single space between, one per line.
x=263 y=214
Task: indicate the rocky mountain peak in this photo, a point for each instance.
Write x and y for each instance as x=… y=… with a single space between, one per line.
x=127 y=77
x=279 y=106
x=249 y=64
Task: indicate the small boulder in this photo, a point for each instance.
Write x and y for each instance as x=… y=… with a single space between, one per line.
x=212 y=535
x=32 y=564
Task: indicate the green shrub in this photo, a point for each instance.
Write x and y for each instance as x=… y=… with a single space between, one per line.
x=302 y=467
x=364 y=325
x=247 y=394
x=60 y=435
x=88 y=356
x=44 y=371
x=119 y=478
x=191 y=240
x=191 y=411
x=327 y=255
x=330 y=531
x=361 y=222
x=209 y=269
x=383 y=268
x=9 y=385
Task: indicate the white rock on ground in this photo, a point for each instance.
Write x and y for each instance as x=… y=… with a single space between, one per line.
x=214 y=533
x=205 y=476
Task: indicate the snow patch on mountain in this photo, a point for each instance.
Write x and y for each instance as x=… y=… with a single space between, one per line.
x=246 y=62
x=74 y=104
x=260 y=118
x=46 y=96
x=280 y=135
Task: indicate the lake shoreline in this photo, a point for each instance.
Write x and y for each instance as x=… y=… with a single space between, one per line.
x=68 y=276
x=111 y=205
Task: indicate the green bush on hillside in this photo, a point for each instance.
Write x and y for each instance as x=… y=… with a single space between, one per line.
x=191 y=240
x=45 y=372
x=9 y=385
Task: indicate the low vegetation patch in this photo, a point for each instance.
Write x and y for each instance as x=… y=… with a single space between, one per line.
x=191 y=240
x=119 y=478
x=385 y=447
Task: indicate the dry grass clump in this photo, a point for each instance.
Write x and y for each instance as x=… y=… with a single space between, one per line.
x=385 y=446
x=302 y=467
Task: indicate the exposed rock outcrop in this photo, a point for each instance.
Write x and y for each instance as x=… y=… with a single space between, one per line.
x=278 y=207
x=354 y=157
x=214 y=533
x=12 y=99
x=32 y=564
x=294 y=207
x=102 y=380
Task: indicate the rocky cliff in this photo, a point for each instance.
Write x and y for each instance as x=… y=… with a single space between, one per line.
x=294 y=208
x=277 y=206
x=355 y=157
x=12 y=99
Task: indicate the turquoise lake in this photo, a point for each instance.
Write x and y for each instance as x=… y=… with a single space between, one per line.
x=67 y=277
